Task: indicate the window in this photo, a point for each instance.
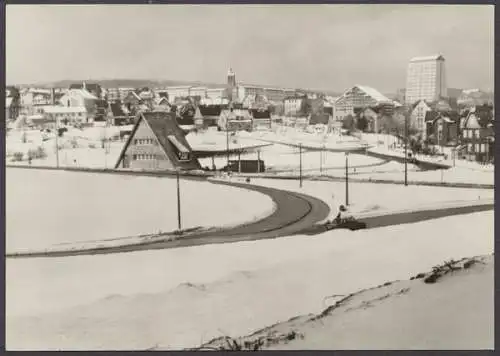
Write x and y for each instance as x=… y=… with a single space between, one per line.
x=134 y=157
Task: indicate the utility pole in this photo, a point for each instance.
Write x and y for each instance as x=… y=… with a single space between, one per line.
x=406 y=149
x=178 y=201
x=57 y=142
x=239 y=161
x=258 y=161
x=227 y=142
x=347 y=178
x=321 y=161
x=300 y=164
x=105 y=146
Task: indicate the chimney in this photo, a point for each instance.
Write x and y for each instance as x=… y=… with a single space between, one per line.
x=53 y=96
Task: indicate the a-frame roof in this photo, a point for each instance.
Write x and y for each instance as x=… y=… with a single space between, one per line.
x=163 y=124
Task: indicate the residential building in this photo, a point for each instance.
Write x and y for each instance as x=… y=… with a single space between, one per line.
x=157 y=143
x=93 y=88
x=177 y=92
x=118 y=114
x=235 y=120
x=426 y=79
x=342 y=108
x=81 y=98
x=371 y=118
x=219 y=101
x=417 y=117
x=32 y=98
x=442 y=128
x=255 y=102
x=477 y=136
x=76 y=115
x=293 y=105
x=474 y=97
x=116 y=94
x=162 y=104
x=360 y=97
x=215 y=93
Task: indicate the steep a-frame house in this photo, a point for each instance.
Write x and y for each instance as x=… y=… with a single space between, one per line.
x=157 y=143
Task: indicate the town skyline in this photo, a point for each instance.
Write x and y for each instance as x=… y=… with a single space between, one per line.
x=259 y=54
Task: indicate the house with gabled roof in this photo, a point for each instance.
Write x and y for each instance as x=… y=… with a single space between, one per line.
x=93 y=88
x=417 y=118
x=442 y=127
x=478 y=134
x=157 y=143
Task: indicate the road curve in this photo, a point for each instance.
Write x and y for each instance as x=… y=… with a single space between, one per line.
x=408 y=217
x=294 y=212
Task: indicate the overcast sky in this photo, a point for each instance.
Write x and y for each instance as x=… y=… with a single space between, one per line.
x=309 y=46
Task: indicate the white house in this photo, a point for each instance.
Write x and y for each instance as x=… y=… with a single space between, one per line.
x=80 y=98
x=293 y=104
x=418 y=117
x=65 y=114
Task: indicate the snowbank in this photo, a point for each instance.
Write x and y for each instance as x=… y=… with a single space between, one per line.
x=50 y=207
x=456 y=312
x=184 y=297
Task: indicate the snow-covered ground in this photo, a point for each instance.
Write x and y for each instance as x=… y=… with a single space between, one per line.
x=211 y=140
x=77 y=148
x=293 y=136
x=451 y=175
x=44 y=208
x=279 y=157
x=377 y=198
x=183 y=297
x=455 y=313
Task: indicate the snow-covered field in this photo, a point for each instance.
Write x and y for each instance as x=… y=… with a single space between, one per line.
x=293 y=136
x=183 y=297
x=377 y=198
x=451 y=175
x=211 y=140
x=77 y=148
x=44 y=208
x=280 y=157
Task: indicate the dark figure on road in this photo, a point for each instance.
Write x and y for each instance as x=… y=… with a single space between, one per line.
x=338 y=218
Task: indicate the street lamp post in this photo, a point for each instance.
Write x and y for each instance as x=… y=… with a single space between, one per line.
x=300 y=164
x=178 y=201
x=57 y=142
x=406 y=150
x=347 y=178
x=321 y=161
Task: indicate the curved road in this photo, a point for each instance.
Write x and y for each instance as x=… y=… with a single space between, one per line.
x=294 y=213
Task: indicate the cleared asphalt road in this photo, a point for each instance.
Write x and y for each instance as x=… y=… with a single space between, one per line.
x=294 y=212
